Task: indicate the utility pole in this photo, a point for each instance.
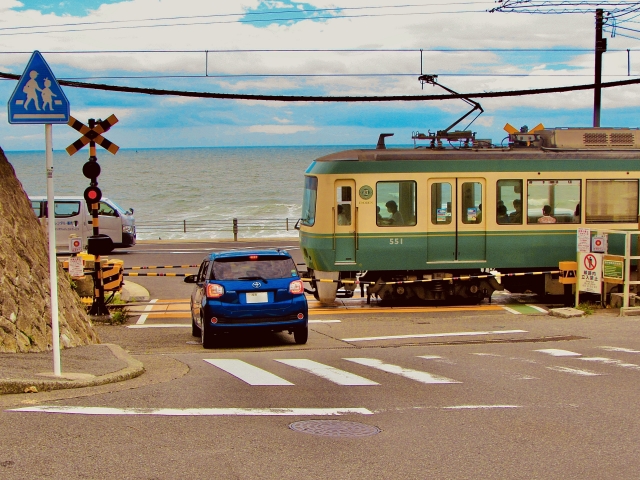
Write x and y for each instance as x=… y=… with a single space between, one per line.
x=601 y=47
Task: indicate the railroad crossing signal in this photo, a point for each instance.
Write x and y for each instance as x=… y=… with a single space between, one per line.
x=92 y=135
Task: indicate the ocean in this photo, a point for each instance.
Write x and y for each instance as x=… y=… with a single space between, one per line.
x=201 y=189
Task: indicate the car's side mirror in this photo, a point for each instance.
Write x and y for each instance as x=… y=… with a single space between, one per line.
x=191 y=279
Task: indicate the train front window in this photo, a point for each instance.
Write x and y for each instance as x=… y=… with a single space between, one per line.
x=396 y=204
x=441 y=203
x=553 y=201
x=612 y=201
x=509 y=202
x=309 y=198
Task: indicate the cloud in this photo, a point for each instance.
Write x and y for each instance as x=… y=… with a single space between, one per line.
x=280 y=129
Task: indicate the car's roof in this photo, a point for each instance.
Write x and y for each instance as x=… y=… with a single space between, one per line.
x=246 y=253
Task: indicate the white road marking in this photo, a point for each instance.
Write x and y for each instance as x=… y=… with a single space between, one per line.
x=619 y=349
x=329 y=373
x=479 y=407
x=433 y=335
x=559 y=353
x=575 y=371
x=540 y=309
x=160 y=325
x=423 y=377
x=148 y=308
x=511 y=310
x=195 y=411
x=487 y=354
x=430 y=357
x=611 y=361
x=247 y=372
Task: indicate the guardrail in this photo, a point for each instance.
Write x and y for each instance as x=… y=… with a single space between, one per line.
x=235 y=225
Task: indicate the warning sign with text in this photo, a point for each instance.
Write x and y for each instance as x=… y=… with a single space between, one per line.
x=590 y=272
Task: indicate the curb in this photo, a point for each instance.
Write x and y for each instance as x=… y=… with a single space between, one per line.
x=134 y=369
x=133 y=290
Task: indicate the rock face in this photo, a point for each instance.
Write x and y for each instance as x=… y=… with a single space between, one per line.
x=25 y=295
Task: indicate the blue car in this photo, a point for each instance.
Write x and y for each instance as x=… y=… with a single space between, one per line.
x=241 y=290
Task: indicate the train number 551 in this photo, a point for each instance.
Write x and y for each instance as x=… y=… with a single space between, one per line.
x=395 y=241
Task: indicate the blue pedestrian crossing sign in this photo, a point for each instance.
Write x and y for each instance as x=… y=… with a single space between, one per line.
x=38 y=98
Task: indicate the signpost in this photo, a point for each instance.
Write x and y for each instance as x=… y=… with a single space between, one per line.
x=38 y=99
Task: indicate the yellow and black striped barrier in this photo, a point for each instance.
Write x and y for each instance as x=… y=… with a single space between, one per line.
x=161 y=266
x=135 y=274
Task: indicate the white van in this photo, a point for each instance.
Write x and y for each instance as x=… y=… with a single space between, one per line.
x=73 y=217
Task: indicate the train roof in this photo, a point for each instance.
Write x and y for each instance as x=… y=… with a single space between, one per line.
x=547 y=144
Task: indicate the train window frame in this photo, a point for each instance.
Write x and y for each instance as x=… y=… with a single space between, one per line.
x=571 y=209
x=309 y=201
x=595 y=200
x=411 y=215
x=441 y=216
x=518 y=189
x=344 y=199
x=471 y=213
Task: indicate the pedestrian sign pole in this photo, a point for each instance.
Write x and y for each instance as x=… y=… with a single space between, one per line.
x=38 y=99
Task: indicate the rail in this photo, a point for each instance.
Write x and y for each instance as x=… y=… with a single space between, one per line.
x=236 y=226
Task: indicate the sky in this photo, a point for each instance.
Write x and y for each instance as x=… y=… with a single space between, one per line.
x=314 y=47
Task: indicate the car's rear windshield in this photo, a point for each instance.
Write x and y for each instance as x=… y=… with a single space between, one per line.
x=245 y=268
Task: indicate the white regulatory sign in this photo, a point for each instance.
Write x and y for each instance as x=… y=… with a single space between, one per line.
x=75 y=244
x=590 y=272
x=584 y=240
x=76 y=267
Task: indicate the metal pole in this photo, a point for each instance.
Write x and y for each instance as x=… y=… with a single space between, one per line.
x=53 y=262
x=601 y=47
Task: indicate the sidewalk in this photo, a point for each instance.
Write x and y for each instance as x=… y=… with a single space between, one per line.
x=86 y=366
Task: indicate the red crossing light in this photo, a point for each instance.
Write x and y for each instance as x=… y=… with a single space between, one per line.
x=92 y=195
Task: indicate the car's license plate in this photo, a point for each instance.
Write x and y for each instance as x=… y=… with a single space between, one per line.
x=257 y=297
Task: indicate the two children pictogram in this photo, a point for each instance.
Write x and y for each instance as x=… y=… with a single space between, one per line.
x=31 y=88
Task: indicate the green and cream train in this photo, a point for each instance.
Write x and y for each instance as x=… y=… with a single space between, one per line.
x=394 y=216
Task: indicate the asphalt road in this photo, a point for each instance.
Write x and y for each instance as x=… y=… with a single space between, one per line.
x=387 y=393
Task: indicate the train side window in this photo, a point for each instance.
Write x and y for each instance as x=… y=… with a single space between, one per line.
x=396 y=204
x=553 y=201
x=509 y=202
x=471 y=202
x=309 y=201
x=612 y=201
x=441 y=203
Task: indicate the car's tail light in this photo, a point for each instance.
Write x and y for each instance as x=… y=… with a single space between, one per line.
x=253 y=257
x=296 y=287
x=300 y=316
x=213 y=320
x=214 y=290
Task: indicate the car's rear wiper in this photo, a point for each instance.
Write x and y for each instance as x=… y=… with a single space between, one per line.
x=255 y=277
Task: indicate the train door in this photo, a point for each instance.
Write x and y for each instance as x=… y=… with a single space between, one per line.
x=344 y=222
x=456 y=224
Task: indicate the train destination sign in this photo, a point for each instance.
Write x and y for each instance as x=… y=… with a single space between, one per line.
x=38 y=98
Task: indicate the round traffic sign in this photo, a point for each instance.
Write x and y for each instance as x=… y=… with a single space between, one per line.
x=590 y=262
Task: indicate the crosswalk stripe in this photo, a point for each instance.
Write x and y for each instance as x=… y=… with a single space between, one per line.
x=559 y=353
x=434 y=335
x=327 y=372
x=620 y=349
x=419 y=376
x=247 y=372
x=575 y=371
x=611 y=361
